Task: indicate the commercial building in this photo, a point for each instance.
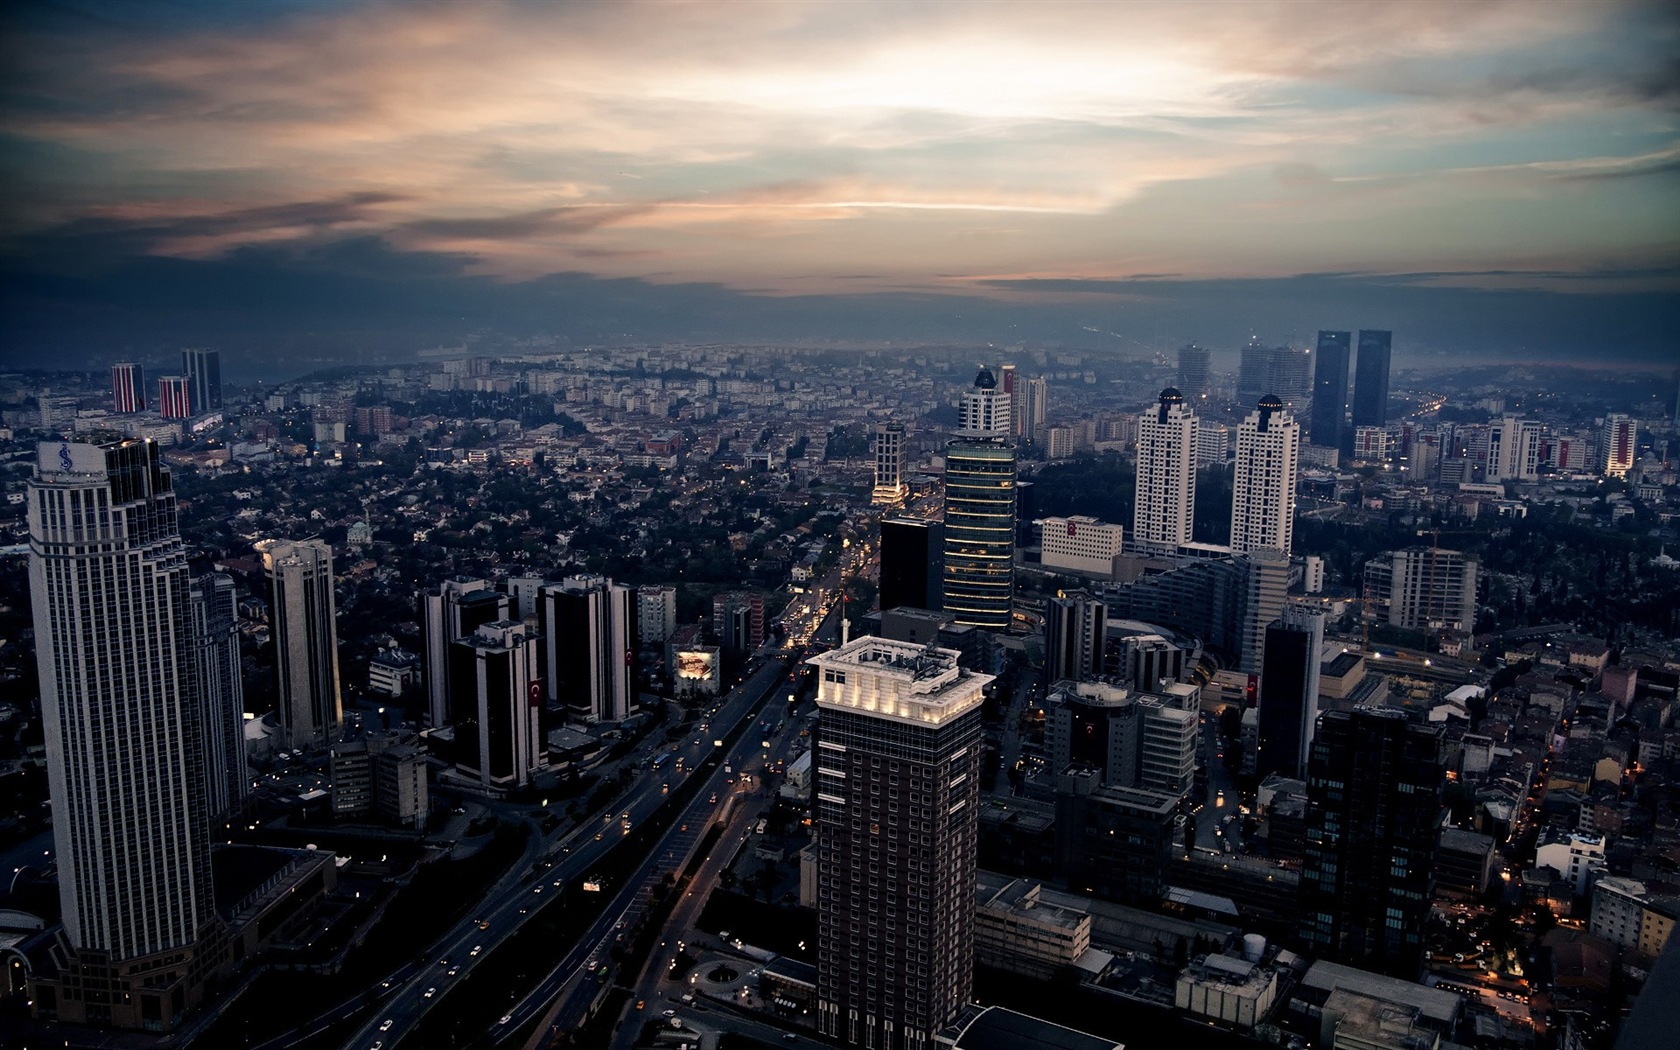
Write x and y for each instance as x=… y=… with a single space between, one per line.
x=303 y=615
x=912 y=563
x=1617 y=447
x=1263 y=487
x=109 y=594
x=1424 y=588
x=1112 y=842
x=453 y=610
x=1514 y=454
x=220 y=690
x=128 y=388
x=1373 y=805
x=897 y=800
x=979 y=584
x=1074 y=636
x=174 y=397
x=1164 y=509
x=498 y=739
x=1194 y=373
x=1080 y=544
x=1017 y=932
x=1132 y=740
x=203 y=372
x=1330 y=389
x=1225 y=602
x=381 y=776
x=588 y=646
x=890 y=453
x=738 y=620
x=1370 y=379
x=1289 y=691
x=1231 y=990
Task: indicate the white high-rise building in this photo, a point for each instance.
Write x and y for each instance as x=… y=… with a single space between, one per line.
x=303 y=614
x=656 y=613
x=985 y=410
x=1263 y=488
x=122 y=720
x=1164 y=509
x=890 y=486
x=1617 y=447
x=1518 y=452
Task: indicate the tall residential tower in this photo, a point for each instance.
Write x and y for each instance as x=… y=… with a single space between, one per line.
x=304 y=615
x=1263 y=488
x=1164 y=509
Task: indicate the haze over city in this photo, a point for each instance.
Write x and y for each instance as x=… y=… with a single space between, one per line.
x=1497 y=179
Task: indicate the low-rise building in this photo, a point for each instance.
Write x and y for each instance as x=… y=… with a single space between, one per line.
x=1015 y=931
x=1229 y=990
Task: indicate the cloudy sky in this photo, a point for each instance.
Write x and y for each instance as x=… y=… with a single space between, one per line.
x=1497 y=177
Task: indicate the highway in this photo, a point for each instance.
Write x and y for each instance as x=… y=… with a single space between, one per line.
x=415 y=989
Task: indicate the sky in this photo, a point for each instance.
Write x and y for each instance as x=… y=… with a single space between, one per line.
x=1489 y=179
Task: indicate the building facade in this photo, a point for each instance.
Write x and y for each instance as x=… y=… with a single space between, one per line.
x=449 y=612
x=897 y=800
x=221 y=694
x=1617 y=447
x=1289 y=691
x=589 y=639
x=1425 y=588
x=1080 y=544
x=1330 y=389
x=979 y=584
x=1268 y=462
x=1194 y=372
x=912 y=563
x=1075 y=632
x=128 y=388
x=1164 y=508
x=174 y=397
x=498 y=741
x=303 y=615
x=656 y=613
x=890 y=457
x=1373 y=803
x=119 y=700
x=203 y=372
x=1370 y=379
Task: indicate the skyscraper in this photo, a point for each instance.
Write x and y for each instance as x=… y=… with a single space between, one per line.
x=1373 y=801
x=890 y=487
x=1075 y=625
x=589 y=630
x=912 y=563
x=124 y=739
x=1289 y=691
x=203 y=370
x=1263 y=487
x=979 y=587
x=1164 y=508
x=1330 y=389
x=1517 y=456
x=451 y=611
x=1616 y=444
x=1290 y=376
x=499 y=692
x=174 y=397
x=1424 y=588
x=897 y=800
x=1193 y=371
x=128 y=388
x=221 y=693
x=1007 y=380
x=304 y=617
x=1034 y=410
x=1254 y=371
x=1370 y=380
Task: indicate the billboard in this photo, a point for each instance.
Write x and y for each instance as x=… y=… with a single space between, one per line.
x=696 y=665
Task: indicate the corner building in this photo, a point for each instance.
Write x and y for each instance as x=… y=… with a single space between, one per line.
x=898 y=767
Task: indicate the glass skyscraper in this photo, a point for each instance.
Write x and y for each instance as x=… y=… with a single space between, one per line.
x=1370 y=380
x=980 y=511
x=1330 y=389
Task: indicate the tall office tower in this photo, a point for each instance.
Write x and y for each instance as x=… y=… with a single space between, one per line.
x=1370 y=379
x=589 y=633
x=1518 y=456
x=110 y=599
x=1007 y=382
x=1616 y=445
x=1193 y=371
x=1254 y=371
x=1330 y=389
x=1289 y=691
x=449 y=612
x=1164 y=508
x=890 y=487
x=1035 y=409
x=738 y=620
x=174 y=397
x=1263 y=488
x=656 y=613
x=1424 y=588
x=897 y=800
x=1075 y=623
x=1290 y=376
x=304 y=618
x=1133 y=740
x=912 y=563
x=128 y=388
x=979 y=586
x=498 y=729
x=221 y=693
x=1372 y=444
x=1373 y=802
x=203 y=369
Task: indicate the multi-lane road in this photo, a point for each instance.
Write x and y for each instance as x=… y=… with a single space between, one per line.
x=415 y=988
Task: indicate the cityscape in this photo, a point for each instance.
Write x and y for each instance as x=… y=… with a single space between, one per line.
x=670 y=526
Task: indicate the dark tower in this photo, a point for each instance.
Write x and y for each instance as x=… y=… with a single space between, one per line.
x=1330 y=390
x=912 y=563
x=1370 y=380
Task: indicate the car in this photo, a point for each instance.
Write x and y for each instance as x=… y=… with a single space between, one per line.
x=641 y=1004
x=484 y=924
x=386 y=1025
x=453 y=971
x=479 y=947
x=505 y=1019
x=429 y=993
x=670 y=1013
